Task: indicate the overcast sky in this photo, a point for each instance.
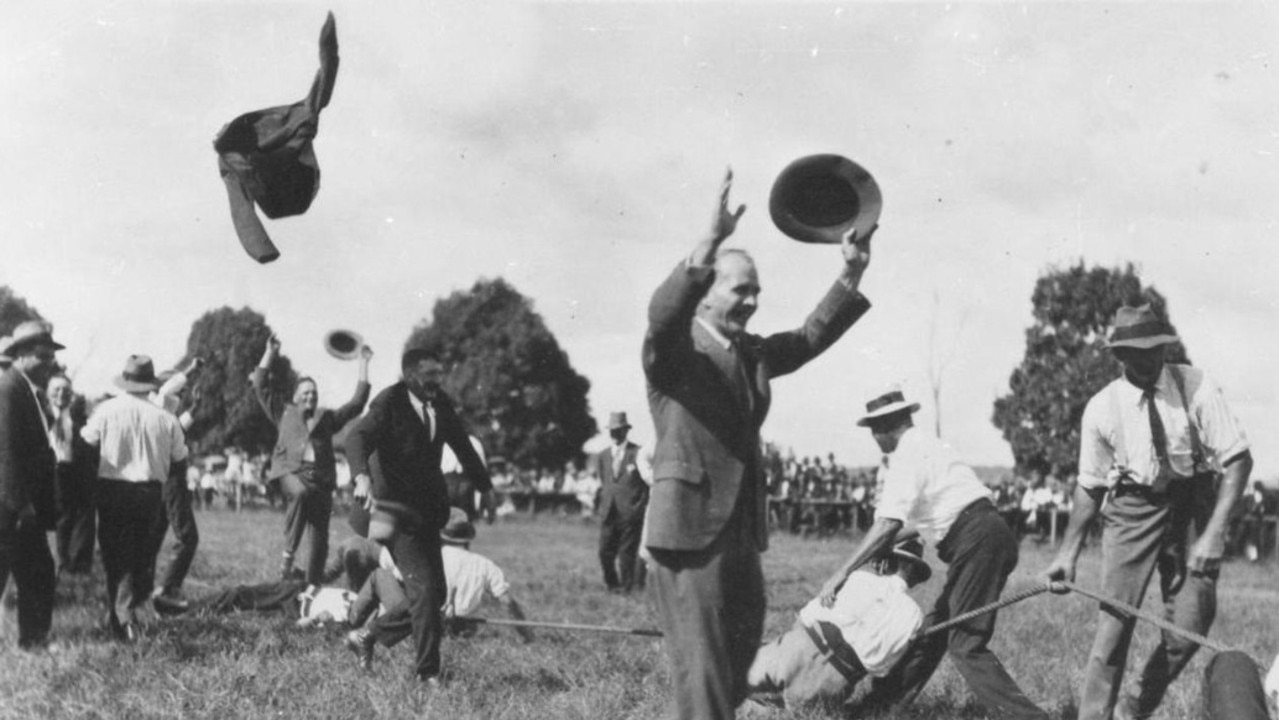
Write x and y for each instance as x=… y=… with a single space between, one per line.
x=576 y=150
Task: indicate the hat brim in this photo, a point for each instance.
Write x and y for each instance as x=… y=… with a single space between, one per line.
x=890 y=409
x=923 y=568
x=134 y=385
x=15 y=345
x=1144 y=343
x=815 y=181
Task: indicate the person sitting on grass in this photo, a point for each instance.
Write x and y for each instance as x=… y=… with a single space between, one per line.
x=469 y=578
x=865 y=632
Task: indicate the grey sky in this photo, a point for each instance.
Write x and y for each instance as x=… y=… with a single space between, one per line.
x=576 y=149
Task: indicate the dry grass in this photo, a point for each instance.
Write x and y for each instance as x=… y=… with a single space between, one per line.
x=257 y=666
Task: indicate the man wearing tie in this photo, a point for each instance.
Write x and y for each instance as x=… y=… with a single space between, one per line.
x=624 y=480
x=709 y=392
x=407 y=427
x=26 y=479
x=1151 y=446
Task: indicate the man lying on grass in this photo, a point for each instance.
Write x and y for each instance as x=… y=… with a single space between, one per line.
x=865 y=632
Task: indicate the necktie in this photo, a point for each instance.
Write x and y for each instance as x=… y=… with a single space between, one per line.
x=428 y=419
x=618 y=454
x=740 y=384
x=1158 y=437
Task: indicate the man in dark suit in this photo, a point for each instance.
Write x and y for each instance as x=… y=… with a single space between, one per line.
x=623 y=499
x=708 y=389
x=77 y=466
x=405 y=431
x=303 y=461
x=27 y=506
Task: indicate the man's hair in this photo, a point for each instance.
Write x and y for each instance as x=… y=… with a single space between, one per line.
x=414 y=355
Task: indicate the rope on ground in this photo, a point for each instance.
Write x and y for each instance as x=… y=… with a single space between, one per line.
x=646 y=632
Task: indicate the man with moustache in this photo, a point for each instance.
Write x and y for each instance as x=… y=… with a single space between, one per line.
x=709 y=392
x=27 y=465
x=303 y=461
x=404 y=433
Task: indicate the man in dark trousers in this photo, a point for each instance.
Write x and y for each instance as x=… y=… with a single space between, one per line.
x=623 y=499
x=303 y=460
x=26 y=480
x=77 y=466
x=407 y=426
x=927 y=487
x=709 y=392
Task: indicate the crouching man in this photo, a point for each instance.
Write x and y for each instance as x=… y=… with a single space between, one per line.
x=864 y=632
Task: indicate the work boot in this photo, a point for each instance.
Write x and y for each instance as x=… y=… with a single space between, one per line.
x=361 y=642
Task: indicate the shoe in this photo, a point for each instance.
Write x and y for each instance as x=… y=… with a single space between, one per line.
x=129 y=633
x=431 y=683
x=361 y=642
x=166 y=604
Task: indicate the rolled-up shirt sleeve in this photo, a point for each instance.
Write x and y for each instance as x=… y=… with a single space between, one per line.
x=1096 y=455
x=1222 y=432
x=903 y=482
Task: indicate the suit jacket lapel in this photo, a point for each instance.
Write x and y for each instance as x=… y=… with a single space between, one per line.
x=731 y=372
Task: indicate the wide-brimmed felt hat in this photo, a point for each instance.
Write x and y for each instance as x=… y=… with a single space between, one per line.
x=819 y=198
x=138 y=375
x=1139 y=327
x=26 y=334
x=909 y=548
x=617 y=421
x=459 y=530
x=886 y=403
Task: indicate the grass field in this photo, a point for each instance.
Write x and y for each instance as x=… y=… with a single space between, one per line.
x=254 y=665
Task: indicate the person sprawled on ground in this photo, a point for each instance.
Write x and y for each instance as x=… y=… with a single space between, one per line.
x=866 y=631
x=373 y=585
x=470 y=579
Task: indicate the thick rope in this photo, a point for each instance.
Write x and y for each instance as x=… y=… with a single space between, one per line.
x=646 y=632
x=965 y=617
x=1149 y=617
x=1122 y=607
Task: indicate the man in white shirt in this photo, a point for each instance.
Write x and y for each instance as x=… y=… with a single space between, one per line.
x=470 y=578
x=865 y=632
x=1151 y=445
x=926 y=485
x=138 y=445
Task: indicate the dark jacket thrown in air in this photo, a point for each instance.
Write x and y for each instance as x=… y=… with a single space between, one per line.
x=266 y=156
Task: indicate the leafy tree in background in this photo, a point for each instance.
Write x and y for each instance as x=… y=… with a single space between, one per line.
x=14 y=311
x=512 y=383
x=1066 y=362
x=226 y=412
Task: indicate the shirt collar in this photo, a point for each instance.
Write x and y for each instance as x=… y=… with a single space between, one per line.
x=418 y=405
x=716 y=334
x=34 y=390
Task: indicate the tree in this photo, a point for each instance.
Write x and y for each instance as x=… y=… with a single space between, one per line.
x=226 y=413
x=1066 y=362
x=511 y=381
x=14 y=311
